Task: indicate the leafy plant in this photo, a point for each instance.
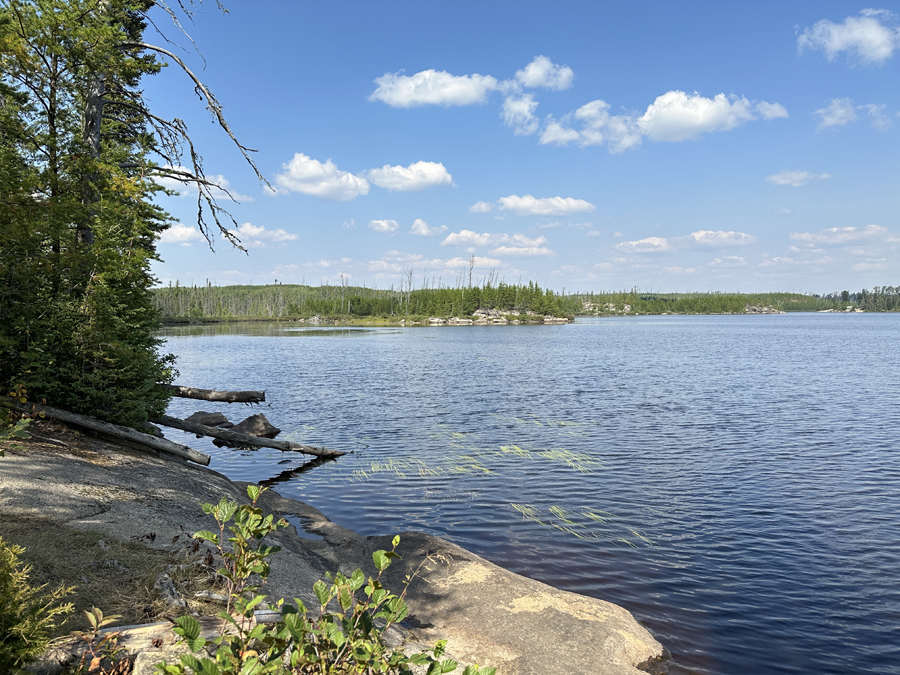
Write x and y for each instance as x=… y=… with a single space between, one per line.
x=26 y=614
x=345 y=636
x=102 y=653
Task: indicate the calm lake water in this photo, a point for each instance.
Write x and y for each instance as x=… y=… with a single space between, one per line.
x=731 y=480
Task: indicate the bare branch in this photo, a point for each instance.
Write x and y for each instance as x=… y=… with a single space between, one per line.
x=211 y=103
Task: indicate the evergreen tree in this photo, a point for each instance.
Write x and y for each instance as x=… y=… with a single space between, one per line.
x=78 y=152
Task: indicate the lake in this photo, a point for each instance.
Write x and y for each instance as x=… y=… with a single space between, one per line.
x=731 y=480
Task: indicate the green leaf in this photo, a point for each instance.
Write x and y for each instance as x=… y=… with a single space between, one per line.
x=395 y=541
x=207 y=535
x=321 y=591
x=253 y=491
x=382 y=561
x=357 y=579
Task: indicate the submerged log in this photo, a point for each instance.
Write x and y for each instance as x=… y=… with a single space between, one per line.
x=244 y=439
x=125 y=433
x=212 y=395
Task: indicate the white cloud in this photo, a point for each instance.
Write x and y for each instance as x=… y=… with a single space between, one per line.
x=522 y=251
x=311 y=177
x=840 y=111
x=794 y=179
x=593 y=233
x=387 y=226
x=432 y=87
x=257 y=236
x=722 y=238
x=179 y=233
x=470 y=238
x=416 y=176
x=728 y=261
x=841 y=235
x=481 y=207
x=549 y=206
x=677 y=116
x=557 y=134
x=520 y=245
x=877 y=116
x=868 y=37
x=871 y=264
x=674 y=116
x=423 y=229
x=220 y=188
x=542 y=72
x=518 y=114
x=648 y=245
x=771 y=111
x=676 y=269
x=350 y=224
x=506 y=245
x=782 y=212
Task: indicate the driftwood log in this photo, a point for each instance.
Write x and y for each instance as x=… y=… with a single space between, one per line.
x=212 y=395
x=243 y=439
x=125 y=433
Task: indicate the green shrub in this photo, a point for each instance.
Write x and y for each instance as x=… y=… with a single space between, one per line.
x=27 y=615
x=345 y=636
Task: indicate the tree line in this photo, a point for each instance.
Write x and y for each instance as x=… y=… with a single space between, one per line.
x=282 y=301
x=289 y=301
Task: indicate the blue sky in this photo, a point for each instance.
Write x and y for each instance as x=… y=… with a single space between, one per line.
x=582 y=145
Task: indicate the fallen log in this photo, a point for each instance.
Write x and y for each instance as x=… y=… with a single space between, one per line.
x=212 y=395
x=244 y=439
x=126 y=433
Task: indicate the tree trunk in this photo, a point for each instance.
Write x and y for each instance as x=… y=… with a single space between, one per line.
x=212 y=395
x=244 y=439
x=125 y=433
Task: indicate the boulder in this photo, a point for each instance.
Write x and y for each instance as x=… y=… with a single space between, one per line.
x=257 y=425
x=208 y=419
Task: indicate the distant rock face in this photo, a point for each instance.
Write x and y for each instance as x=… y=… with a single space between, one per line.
x=759 y=309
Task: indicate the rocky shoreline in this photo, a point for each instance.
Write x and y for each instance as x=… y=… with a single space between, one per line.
x=112 y=490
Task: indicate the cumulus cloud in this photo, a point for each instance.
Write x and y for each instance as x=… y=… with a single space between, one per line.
x=311 y=177
x=416 y=176
x=542 y=72
x=386 y=226
x=648 y=245
x=257 y=236
x=520 y=245
x=674 y=116
x=518 y=114
x=771 y=111
x=795 y=179
x=505 y=245
x=722 y=238
x=841 y=235
x=432 y=87
x=867 y=38
x=677 y=116
x=548 y=206
x=220 y=188
x=182 y=234
x=877 y=116
x=470 y=238
x=481 y=207
x=837 y=113
x=423 y=229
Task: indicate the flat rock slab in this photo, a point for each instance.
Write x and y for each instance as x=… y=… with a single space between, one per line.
x=487 y=614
